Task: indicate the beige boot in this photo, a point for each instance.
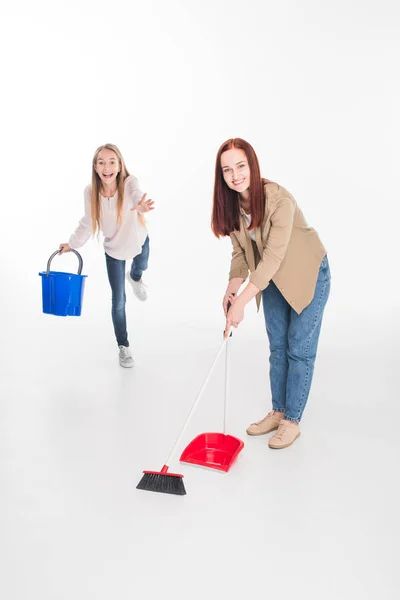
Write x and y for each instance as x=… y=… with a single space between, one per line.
x=287 y=433
x=267 y=424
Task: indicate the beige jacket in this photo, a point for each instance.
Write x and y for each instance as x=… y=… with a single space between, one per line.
x=287 y=250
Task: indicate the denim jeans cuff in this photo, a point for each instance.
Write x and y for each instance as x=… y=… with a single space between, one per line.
x=291 y=419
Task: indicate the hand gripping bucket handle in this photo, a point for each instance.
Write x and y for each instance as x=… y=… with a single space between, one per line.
x=80 y=267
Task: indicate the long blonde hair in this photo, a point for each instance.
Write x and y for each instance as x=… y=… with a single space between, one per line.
x=96 y=186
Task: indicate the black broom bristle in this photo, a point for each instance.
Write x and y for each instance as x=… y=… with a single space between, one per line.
x=162 y=482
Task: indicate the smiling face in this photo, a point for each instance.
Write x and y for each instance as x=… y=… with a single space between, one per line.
x=236 y=170
x=107 y=166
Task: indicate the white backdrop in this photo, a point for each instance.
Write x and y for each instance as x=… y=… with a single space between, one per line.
x=313 y=86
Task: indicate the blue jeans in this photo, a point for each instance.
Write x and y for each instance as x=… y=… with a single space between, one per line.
x=116 y=276
x=293 y=341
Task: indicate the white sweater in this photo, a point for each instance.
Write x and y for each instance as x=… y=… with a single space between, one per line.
x=122 y=241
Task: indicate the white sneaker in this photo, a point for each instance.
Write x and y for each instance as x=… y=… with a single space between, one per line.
x=139 y=288
x=125 y=357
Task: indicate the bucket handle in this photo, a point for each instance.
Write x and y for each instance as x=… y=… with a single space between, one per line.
x=58 y=252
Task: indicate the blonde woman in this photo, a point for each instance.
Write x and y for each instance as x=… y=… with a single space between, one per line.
x=114 y=205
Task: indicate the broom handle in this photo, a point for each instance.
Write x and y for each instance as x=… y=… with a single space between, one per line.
x=196 y=402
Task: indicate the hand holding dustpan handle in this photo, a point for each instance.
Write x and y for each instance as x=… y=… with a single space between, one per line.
x=58 y=252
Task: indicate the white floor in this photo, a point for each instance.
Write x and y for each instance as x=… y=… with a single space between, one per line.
x=318 y=520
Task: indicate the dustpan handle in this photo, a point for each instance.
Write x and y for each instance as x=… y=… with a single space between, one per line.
x=196 y=402
x=58 y=252
x=227 y=378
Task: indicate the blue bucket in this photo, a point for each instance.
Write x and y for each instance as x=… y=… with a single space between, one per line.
x=62 y=293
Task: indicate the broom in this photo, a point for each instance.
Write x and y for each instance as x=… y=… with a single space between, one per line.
x=172 y=483
x=162 y=481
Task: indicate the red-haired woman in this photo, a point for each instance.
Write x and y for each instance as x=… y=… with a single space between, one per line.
x=115 y=205
x=289 y=270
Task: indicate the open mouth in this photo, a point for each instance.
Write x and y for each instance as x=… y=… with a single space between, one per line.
x=107 y=175
x=238 y=182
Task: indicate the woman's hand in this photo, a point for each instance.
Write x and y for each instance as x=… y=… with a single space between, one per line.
x=65 y=248
x=144 y=205
x=231 y=290
x=236 y=312
x=235 y=316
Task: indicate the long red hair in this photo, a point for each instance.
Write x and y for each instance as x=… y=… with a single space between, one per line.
x=226 y=209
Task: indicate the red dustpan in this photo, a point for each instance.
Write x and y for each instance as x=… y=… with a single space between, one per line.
x=215 y=450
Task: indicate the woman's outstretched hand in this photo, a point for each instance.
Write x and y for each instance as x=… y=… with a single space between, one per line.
x=144 y=205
